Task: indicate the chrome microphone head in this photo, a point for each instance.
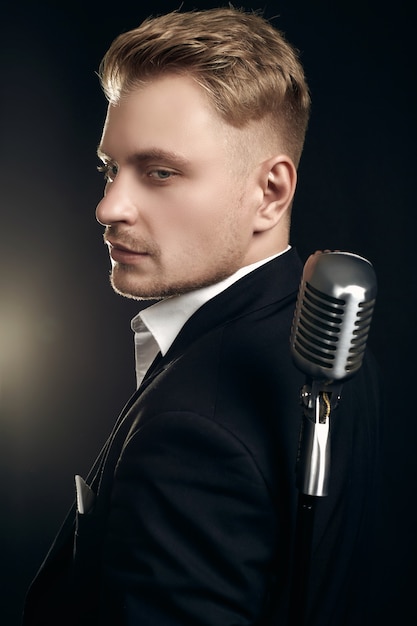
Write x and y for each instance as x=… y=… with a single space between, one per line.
x=333 y=315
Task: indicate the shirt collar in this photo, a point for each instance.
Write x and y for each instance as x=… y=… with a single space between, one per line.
x=165 y=318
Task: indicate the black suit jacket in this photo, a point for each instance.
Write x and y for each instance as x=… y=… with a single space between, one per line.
x=195 y=489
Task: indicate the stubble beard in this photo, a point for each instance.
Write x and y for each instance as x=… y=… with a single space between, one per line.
x=126 y=284
x=127 y=281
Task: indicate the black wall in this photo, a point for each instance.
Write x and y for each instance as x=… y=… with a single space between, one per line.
x=66 y=353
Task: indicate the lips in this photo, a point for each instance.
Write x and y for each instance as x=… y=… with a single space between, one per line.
x=118 y=246
x=123 y=254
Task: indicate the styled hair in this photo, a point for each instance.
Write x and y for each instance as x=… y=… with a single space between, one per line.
x=246 y=66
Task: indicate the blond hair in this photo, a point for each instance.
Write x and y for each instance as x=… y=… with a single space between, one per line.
x=246 y=66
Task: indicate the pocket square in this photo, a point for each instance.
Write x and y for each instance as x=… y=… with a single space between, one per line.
x=85 y=496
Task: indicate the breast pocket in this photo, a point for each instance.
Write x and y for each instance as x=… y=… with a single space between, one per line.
x=87 y=545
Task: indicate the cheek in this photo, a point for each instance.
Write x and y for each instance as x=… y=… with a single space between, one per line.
x=192 y=213
x=197 y=217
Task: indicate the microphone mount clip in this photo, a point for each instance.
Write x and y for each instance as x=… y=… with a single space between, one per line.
x=318 y=400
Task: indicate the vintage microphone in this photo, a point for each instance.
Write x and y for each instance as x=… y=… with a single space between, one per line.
x=330 y=328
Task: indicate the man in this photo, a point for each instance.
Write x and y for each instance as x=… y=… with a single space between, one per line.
x=188 y=515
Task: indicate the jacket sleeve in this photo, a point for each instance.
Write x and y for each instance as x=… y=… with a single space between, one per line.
x=191 y=536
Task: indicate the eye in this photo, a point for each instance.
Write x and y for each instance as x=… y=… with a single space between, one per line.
x=161 y=174
x=109 y=170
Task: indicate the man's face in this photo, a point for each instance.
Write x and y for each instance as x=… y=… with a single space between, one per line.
x=178 y=214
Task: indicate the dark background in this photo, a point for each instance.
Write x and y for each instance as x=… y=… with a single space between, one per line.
x=66 y=348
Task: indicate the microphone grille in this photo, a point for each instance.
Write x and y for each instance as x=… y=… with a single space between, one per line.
x=333 y=315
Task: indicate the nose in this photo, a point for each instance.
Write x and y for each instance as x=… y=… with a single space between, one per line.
x=116 y=206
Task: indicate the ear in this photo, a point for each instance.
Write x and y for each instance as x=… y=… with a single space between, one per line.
x=278 y=179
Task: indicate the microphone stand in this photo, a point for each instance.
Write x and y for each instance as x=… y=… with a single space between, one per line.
x=313 y=470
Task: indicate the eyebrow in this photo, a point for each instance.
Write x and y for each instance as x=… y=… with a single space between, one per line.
x=152 y=154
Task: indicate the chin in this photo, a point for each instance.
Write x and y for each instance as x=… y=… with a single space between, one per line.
x=128 y=287
x=124 y=284
x=127 y=291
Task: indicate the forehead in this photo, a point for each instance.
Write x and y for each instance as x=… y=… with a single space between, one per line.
x=172 y=110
